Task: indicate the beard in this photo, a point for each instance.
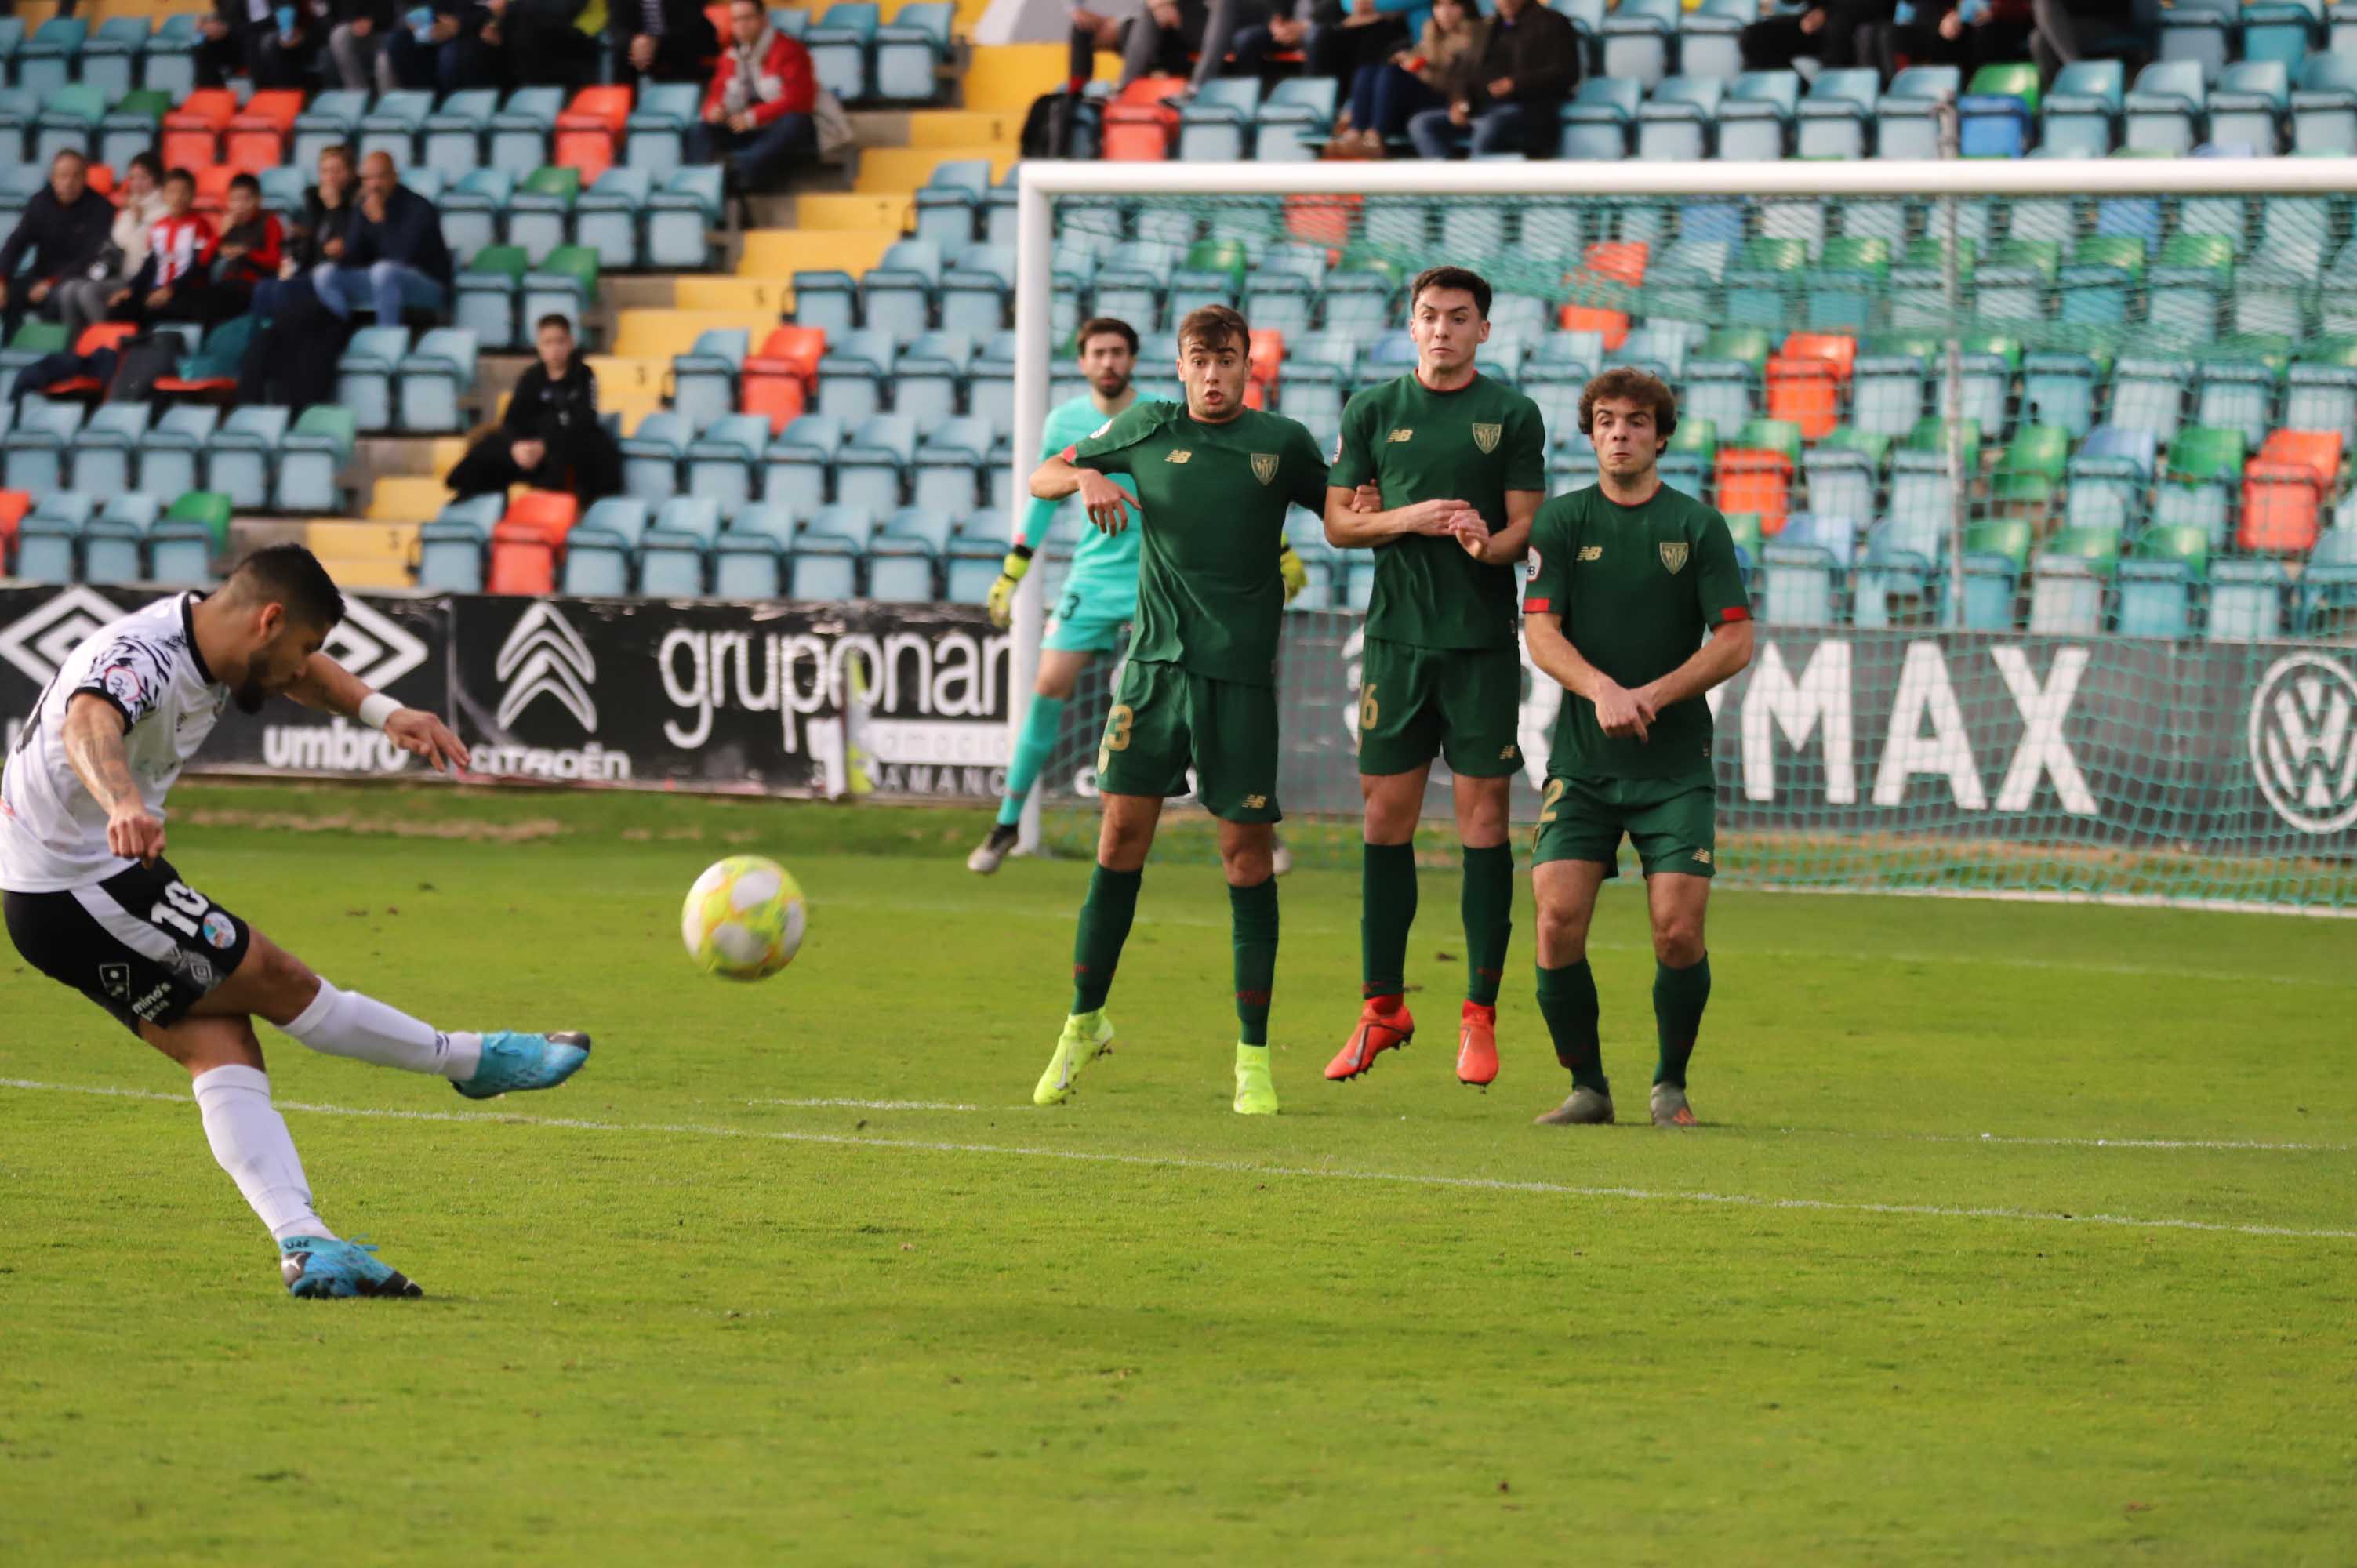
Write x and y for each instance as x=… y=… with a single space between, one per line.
x=250 y=697
x=1111 y=387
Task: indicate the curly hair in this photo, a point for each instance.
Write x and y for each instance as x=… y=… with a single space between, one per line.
x=1640 y=387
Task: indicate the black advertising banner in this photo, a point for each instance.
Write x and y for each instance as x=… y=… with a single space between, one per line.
x=2225 y=748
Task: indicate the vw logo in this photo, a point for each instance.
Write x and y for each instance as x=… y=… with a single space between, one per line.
x=2303 y=742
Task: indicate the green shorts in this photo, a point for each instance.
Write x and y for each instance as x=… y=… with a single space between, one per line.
x=1165 y=719
x=1415 y=703
x=1674 y=823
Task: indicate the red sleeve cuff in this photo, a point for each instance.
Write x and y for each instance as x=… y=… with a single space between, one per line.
x=1536 y=606
x=1734 y=613
x=1071 y=454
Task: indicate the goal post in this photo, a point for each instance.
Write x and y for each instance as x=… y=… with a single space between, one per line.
x=2038 y=466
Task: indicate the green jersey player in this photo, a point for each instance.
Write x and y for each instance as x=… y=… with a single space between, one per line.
x=1636 y=604
x=1214 y=481
x=1460 y=462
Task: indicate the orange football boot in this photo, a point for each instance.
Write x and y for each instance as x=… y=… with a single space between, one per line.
x=1477 y=1046
x=1385 y=1024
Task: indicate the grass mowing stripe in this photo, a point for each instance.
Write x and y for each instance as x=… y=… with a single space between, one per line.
x=1240 y=1167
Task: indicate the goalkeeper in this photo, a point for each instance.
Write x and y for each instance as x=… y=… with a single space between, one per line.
x=1100 y=594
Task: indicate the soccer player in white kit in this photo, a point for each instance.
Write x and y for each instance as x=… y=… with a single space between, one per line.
x=92 y=902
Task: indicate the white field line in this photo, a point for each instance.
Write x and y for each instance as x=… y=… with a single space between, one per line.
x=1975 y=960
x=1239 y=1167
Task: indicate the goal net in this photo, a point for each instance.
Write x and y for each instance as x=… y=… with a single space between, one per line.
x=2037 y=469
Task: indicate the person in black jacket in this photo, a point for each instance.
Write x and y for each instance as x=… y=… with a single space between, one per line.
x=450 y=53
x=394 y=257
x=64 y=231
x=551 y=438
x=1530 y=68
x=356 y=43
x=663 y=40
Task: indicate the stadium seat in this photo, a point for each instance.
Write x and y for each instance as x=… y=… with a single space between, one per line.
x=909 y=50
x=1756 y=481
x=2328 y=587
x=2150 y=394
x=1141 y=124
x=871 y=469
x=311 y=459
x=102 y=449
x=659 y=127
x=928 y=374
x=564 y=283
x=114 y=543
x=2198 y=33
x=2156 y=599
x=1678 y=121
x=331 y=119
x=2081 y=114
x=681 y=218
x=840 y=41
x=606 y=217
x=1906 y=116
x=35 y=446
x=487 y=294
x=437 y=378
x=192 y=533
x=2163 y=110
x=1756 y=117
x=540 y=209
x=748 y=557
x=704 y=379
x=1707 y=37
x=797 y=462
x=601 y=548
x=241 y=455
x=778 y=379
x=587 y=129
x=471 y=210
x=450 y=548
x=2066 y=596
x=519 y=134
x=2324 y=108
x=1215 y=124
x=903 y=556
x=896 y=296
x=2246 y=601
x=852 y=378
x=2282 y=508
x=948 y=204
x=2248 y=105
x=947 y=477
x=1836 y=118
x=1641 y=41
x=109 y=57
x=364 y=375
x=720 y=462
x=652 y=455
x=393 y=126
x=827 y=554
x=45 y=62
x=1296 y=112
x=50 y=541
x=126 y=130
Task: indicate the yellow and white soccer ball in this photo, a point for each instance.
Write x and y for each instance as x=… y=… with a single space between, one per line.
x=742 y=919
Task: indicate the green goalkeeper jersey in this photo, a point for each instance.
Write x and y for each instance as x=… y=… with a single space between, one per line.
x=1213 y=500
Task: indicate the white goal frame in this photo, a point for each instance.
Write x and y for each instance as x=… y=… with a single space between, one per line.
x=1040 y=182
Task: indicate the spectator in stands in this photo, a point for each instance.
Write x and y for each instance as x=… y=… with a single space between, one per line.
x=64 y=229
x=393 y=258
x=230 y=41
x=551 y=437
x=174 y=283
x=81 y=302
x=1529 y=65
x=252 y=245
x=662 y=40
x=1965 y=33
x=317 y=235
x=543 y=43
x=2068 y=30
x=1156 y=41
x=440 y=48
x=1441 y=70
x=287 y=45
x=757 y=111
x=1838 y=33
x=357 y=43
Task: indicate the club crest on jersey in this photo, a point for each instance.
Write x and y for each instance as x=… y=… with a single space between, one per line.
x=1486 y=437
x=1674 y=554
x=1264 y=466
x=1401 y=435
x=1180 y=455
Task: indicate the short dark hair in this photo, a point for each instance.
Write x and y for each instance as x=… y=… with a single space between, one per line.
x=183 y=176
x=554 y=318
x=1638 y=386
x=1214 y=326
x=1472 y=282
x=74 y=153
x=291 y=576
x=150 y=162
x=246 y=182
x=342 y=152
x=1099 y=326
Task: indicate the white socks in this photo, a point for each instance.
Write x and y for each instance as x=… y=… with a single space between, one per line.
x=251 y=1140
x=346 y=1023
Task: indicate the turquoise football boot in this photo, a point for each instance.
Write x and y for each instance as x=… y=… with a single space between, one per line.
x=318 y=1269
x=513 y=1061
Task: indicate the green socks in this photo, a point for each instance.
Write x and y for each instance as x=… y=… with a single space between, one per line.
x=1104 y=926
x=1041 y=725
x=1489 y=909
x=1568 y=1003
x=1254 y=911
x=1386 y=910
x=1679 y=997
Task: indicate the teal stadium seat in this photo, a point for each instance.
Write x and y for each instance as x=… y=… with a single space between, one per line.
x=657 y=131
x=311 y=458
x=840 y=42
x=909 y=50
x=607 y=218
x=364 y=375
x=436 y=377
x=652 y=455
x=673 y=552
x=721 y=461
x=243 y=454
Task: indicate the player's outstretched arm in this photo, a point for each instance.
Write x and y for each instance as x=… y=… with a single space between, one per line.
x=1722 y=654
x=93 y=732
x=1618 y=711
x=332 y=689
x=1347 y=527
x=1108 y=504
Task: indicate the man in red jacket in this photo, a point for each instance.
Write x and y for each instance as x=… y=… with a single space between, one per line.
x=757 y=111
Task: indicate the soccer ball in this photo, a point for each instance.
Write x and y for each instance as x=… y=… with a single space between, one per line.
x=742 y=919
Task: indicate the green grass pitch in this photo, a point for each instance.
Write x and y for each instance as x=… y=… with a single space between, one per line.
x=2019 y=1234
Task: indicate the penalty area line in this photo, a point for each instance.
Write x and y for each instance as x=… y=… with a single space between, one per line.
x=1241 y=1167
x=868 y=1104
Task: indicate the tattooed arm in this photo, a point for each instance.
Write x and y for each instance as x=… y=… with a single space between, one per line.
x=94 y=732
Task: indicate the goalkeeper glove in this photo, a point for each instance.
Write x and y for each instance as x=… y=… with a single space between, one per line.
x=1001 y=600
x=1290 y=567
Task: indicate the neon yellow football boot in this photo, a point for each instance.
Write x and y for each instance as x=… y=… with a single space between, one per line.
x=1256 y=1095
x=1086 y=1036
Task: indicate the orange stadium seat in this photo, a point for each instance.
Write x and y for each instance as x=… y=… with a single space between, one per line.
x=1613 y=324
x=14 y=505
x=258 y=132
x=1757 y=480
x=192 y=132
x=589 y=129
x=1622 y=261
x=1321 y=219
x=1140 y=125
x=2282 y=503
x=1805 y=390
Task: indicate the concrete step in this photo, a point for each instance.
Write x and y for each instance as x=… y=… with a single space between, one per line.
x=898 y=171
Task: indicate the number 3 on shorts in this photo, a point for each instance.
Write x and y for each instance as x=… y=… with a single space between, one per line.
x=1116 y=735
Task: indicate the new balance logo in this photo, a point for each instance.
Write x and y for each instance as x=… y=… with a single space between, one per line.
x=1702 y=857
x=1401 y=435
x=1178 y=456
x=1591 y=553
x=1255 y=802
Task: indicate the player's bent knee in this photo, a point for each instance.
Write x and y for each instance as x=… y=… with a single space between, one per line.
x=202 y=1044
x=1678 y=943
x=274 y=983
